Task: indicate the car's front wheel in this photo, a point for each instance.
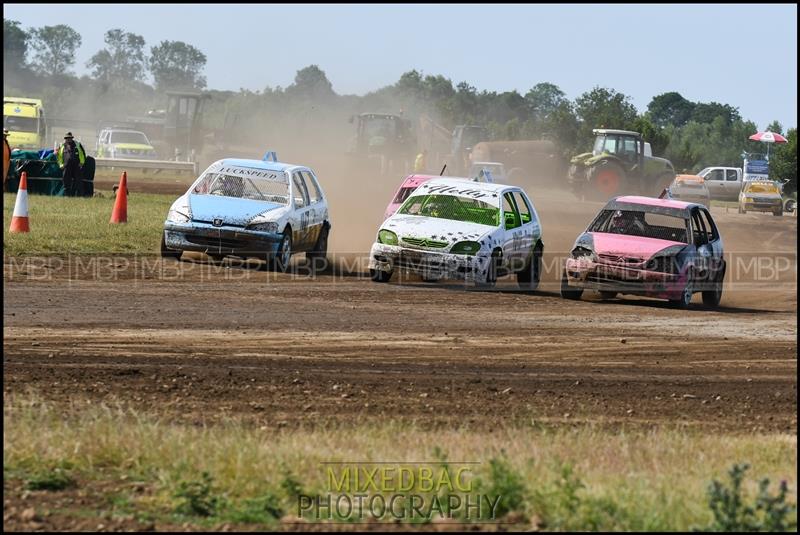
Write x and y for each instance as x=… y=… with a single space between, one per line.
x=167 y=252
x=686 y=296
x=491 y=272
x=380 y=276
x=713 y=296
x=284 y=253
x=319 y=255
x=567 y=291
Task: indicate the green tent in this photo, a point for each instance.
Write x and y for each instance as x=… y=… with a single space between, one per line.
x=44 y=175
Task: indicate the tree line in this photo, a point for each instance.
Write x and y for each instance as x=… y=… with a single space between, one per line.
x=690 y=134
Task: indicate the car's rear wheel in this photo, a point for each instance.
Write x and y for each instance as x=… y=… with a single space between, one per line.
x=319 y=255
x=528 y=278
x=713 y=296
x=380 y=276
x=567 y=291
x=284 y=253
x=167 y=252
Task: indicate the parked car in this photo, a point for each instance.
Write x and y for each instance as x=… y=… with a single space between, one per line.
x=658 y=248
x=761 y=197
x=460 y=229
x=251 y=208
x=119 y=143
x=488 y=172
x=724 y=183
x=411 y=183
x=690 y=188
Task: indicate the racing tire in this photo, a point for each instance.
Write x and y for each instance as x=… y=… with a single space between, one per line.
x=318 y=256
x=607 y=294
x=380 y=276
x=283 y=255
x=167 y=252
x=528 y=279
x=567 y=291
x=491 y=273
x=606 y=180
x=712 y=297
x=685 y=299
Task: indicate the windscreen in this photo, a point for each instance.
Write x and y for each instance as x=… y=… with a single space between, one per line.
x=129 y=137
x=20 y=124
x=275 y=190
x=452 y=207
x=641 y=224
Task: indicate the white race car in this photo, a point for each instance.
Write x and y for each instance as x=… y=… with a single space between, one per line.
x=460 y=229
x=250 y=208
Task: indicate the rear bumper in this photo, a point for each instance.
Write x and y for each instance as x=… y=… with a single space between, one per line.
x=593 y=275
x=762 y=206
x=209 y=239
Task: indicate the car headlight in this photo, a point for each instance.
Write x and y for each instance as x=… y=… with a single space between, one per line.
x=387 y=237
x=466 y=247
x=269 y=226
x=663 y=264
x=178 y=217
x=581 y=252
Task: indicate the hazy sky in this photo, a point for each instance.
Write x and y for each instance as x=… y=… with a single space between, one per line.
x=743 y=55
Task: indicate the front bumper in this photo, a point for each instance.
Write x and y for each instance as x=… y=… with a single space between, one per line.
x=429 y=264
x=224 y=240
x=602 y=276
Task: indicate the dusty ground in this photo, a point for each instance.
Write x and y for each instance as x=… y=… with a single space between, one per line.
x=203 y=342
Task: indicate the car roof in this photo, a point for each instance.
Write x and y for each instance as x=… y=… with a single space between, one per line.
x=277 y=167
x=612 y=131
x=651 y=201
x=660 y=206
x=460 y=182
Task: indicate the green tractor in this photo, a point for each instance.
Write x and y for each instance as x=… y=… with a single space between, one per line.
x=621 y=162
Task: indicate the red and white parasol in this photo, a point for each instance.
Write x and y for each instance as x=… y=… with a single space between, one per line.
x=768 y=137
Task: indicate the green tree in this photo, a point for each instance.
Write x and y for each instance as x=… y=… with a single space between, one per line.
x=603 y=108
x=122 y=60
x=15 y=45
x=177 y=65
x=783 y=162
x=54 y=48
x=544 y=98
x=670 y=108
x=311 y=81
x=706 y=112
x=652 y=134
x=775 y=126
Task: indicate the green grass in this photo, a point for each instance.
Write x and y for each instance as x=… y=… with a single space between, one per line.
x=61 y=225
x=582 y=478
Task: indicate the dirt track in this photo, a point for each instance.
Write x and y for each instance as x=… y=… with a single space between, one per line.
x=286 y=350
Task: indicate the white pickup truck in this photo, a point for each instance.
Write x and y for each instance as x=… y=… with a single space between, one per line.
x=724 y=183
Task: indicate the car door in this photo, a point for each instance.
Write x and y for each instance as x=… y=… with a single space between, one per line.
x=733 y=185
x=704 y=251
x=512 y=235
x=528 y=232
x=316 y=207
x=714 y=242
x=715 y=180
x=302 y=215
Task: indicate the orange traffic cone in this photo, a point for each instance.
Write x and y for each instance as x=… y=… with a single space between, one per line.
x=19 y=221
x=120 y=212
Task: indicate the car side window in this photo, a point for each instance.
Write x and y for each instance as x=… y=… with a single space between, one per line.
x=699 y=229
x=731 y=175
x=314 y=194
x=716 y=174
x=713 y=234
x=510 y=212
x=524 y=209
x=300 y=193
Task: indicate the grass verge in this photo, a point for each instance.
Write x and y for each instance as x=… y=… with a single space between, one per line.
x=61 y=225
x=581 y=478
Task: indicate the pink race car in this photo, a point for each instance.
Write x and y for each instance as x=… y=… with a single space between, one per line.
x=410 y=183
x=652 y=247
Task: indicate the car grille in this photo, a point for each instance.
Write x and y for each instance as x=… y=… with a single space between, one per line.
x=209 y=241
x=616 y=259
x=425 y=242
